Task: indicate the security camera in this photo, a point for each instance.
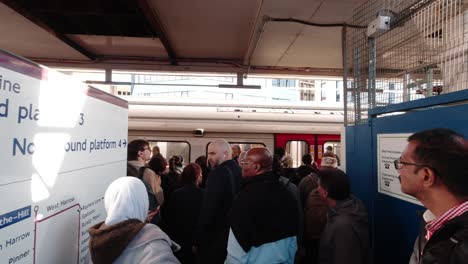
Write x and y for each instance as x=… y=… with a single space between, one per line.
x=199 y=132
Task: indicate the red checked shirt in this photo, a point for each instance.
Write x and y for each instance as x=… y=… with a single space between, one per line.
x=437 y=223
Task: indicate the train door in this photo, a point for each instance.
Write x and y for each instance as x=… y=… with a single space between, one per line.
x=325 y=142
x=296 y=145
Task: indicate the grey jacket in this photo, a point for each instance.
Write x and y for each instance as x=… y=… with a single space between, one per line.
x=131 y=241
x=151 y=245
x=345 y=239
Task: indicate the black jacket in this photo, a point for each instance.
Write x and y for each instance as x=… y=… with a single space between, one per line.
x=301 y=172
x=212 y=231
x=181 y=219
x=264 y=211
x=448 y=245
x=345 y=239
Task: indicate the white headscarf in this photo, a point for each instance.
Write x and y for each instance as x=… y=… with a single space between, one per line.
x=126 y=198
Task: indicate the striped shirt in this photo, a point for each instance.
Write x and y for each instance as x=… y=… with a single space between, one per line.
x=437 y=223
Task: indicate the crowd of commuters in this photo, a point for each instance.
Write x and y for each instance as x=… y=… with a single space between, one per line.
x=235 y=206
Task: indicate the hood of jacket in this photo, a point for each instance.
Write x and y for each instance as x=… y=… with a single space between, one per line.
x=350 y=207
x=108 y=242
x=264 y=211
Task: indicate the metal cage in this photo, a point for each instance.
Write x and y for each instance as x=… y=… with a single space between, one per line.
x=421 y=54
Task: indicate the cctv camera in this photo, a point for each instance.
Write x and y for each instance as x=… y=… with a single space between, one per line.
x=199 y=132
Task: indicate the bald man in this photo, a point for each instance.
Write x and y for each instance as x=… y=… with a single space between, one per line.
x=264 y=219
x=222 y=186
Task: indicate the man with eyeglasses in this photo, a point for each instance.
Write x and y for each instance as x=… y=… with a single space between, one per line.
x=434 y=169
x=264 y=219
x=138 y=153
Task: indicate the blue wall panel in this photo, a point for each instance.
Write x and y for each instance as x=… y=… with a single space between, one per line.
x=394 y=222
x=359 y=147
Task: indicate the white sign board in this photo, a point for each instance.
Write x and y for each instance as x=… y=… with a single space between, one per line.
x=62 y=144
x=389 y=148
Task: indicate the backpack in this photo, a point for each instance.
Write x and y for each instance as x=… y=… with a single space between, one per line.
x=153 y=210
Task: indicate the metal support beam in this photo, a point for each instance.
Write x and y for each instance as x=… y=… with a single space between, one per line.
x=372 y=72
x=153 y=19
x=429 y=82
x=357 y=84
x=36 y=20
x=406 y=92
x=132 y=85
x=183 y=66
x=344 y=54
x=255 y=35
x=240 y=79
x=108 y=75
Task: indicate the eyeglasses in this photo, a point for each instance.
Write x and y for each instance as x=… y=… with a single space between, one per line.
x=246 y=162
x=399 y=164
x=145 y=149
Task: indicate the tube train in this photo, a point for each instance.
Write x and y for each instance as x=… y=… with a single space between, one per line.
x=187 y=128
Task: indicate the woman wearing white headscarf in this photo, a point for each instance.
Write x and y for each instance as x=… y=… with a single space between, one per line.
x=124 y=237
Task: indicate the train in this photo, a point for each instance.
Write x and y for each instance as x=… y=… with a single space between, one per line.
x=187 y=128
x=191 y=146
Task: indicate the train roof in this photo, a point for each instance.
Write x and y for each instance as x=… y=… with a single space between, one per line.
x=253 y=36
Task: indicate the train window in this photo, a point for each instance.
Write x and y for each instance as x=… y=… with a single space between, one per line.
x=296 y=149
x=171 y=148
x=244 y=146
x=336 y=146
x=336 y=149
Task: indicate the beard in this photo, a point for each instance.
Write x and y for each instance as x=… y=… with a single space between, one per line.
x=214 y=163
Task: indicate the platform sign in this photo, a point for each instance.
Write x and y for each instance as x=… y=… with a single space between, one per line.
x=62 y=144
x=389 y=148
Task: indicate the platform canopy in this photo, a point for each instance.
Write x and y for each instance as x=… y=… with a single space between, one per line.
x=263 y=36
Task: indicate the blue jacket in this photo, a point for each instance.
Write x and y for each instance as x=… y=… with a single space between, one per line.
x=281 y=251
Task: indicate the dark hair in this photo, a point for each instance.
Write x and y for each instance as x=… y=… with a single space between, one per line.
x=135 y=146
x=279 y=151
x=335 y=182
x=277 y=165
x=190 y=173
x=158 y=164
x=307 y=159
x=329 y=148
x=446 y=153
x=176 y=161
x=201 y=161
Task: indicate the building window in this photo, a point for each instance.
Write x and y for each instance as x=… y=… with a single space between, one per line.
x=323 y=93
x=339 y=88
x=307 y=95
x=307 y=90
x=283 y=83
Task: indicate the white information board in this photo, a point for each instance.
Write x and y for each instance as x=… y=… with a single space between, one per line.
x=389 y=148
x=62 y=144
